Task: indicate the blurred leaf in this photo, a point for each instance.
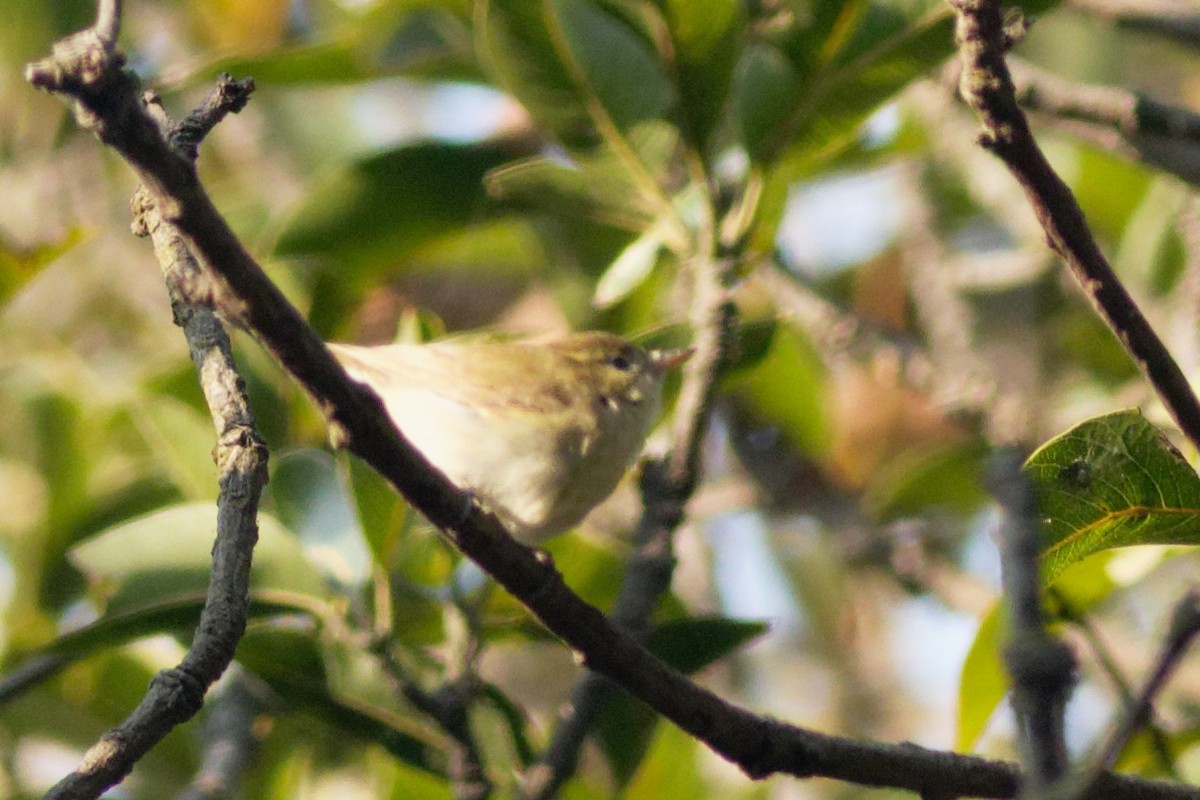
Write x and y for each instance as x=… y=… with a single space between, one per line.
x=308 y=493
x=630 y=269
x=752 y=344
x=626 y=725
x=597 y=189
x=167 y=555
x=816 y=86
x=183 y=440
x=1150 y=248
x=19 y=265
x=291 y=661
x=766 y=87
x=706 y=36
x=382 y=512
x=1086 y=340
x=786 y=389
x=372 y=213
x=1112 y=481
x=177 y=616
x=388 y=40
x=319 y=62
x=670 y=769
x=984 y=681
x=232 y=24
x=947 y=477
x=64 y=460
x=1107 y=212
x=611 y=62
x=689 y=645
x=578 y=69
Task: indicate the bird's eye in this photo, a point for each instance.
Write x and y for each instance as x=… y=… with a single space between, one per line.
x=620 y=362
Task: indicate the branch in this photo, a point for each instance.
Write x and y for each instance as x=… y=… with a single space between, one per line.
x=175 y=695
x=1164 y=136
x=1064 y=609
x=231 y=737
x=987 y=87
x=1042 y=667
x=1172 y=19
x=1185 y=626
x=760 y=746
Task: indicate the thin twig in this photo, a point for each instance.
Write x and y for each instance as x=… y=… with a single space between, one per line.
x=987 y=87
x=1172 y=19
x=1108 y=664
x=231 y=737
x=1135 y=126
x=1185 y=626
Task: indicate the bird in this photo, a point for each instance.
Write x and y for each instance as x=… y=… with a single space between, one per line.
x=538 y=431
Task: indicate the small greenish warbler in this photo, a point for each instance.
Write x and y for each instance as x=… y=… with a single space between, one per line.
x=539 y=431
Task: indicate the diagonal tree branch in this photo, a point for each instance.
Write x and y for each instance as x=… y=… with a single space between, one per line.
x=987 y=87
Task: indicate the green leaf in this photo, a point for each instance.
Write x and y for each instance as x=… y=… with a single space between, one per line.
x=598 y=190
x=579 y=70
x=984 y=680
x=766 y=88
x=177 y=616
x=630 y=269
x=626 y=726
x=382 y=512
x=292 y=661
x=19 y=265
x=945 y=477
x=707 y=37
x=64 y=460
x=786 y=388
x=182 y=439
x=420 y=40
x=1112 y=481
x=689 y=645
x=376 y=211
x=167 y=555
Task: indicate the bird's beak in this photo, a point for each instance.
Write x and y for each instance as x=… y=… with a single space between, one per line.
x=671 y=359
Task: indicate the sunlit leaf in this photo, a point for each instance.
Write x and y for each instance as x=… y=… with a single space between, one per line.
x=984 y=681
x=630 y=269
x=167 y=555
x=19 y=265
x=1112 y=481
